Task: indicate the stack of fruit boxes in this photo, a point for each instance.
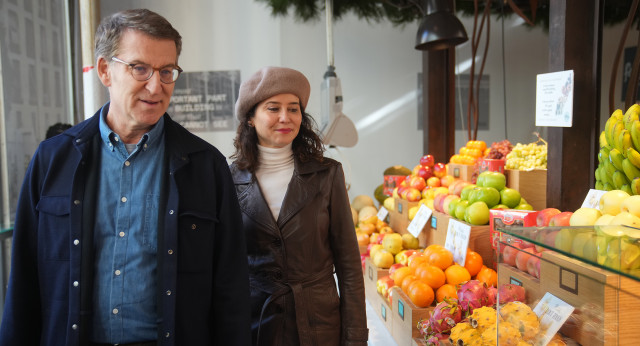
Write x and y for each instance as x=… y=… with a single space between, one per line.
x=532 y=185
x=379 y=304
x=460 y=171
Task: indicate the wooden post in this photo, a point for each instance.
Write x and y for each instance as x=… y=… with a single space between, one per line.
x=575 y=43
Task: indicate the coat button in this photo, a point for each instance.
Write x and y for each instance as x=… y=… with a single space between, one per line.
x=167 y=335
x=76 y=202
x=168 y=292
x=76 y=242
x=170 y=252
x=193 y=226
x=74 y=326
x=75 y=284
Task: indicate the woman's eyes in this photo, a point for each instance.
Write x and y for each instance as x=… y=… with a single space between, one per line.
x=277 y=109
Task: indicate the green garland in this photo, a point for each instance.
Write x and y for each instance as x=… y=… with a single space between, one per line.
x=400 y=12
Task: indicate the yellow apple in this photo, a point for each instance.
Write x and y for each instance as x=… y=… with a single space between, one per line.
x=611 y=201
x=392 y=242
x=585 y=217
x=409 y=241
x=631 y=205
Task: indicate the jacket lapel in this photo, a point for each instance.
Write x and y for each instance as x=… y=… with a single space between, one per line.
x=251 y=200
x=302 y=187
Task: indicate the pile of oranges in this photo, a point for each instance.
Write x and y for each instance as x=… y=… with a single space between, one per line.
x=470 y=153
x=432 y=275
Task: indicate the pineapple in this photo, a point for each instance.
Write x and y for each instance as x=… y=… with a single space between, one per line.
x=522 y=318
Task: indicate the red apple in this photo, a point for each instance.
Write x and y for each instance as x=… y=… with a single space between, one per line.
x=533 y=265
x=433 y=182
x=458 y=185
x=522 y=257
x=395 y=267
x=446 y=201
x=561 y=219
x=545 y=215
x=438 y=200
x=509 y=253
x=427 y=161
x=425 y=172
x=447 y=180
x=439 y=170
x=417 y=182
x=413 y=194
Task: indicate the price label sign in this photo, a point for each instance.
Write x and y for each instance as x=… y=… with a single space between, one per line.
x=593 y=199
x=382 y=213
x=457 y=240
x=552 y=312
x=421 y=219
x=554 y=99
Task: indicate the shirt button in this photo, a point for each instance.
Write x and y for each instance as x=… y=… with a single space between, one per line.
x=76 y=242
x=74 y=326
x=123 y=199
x=193 y=226
x=75 y=284
x=168 y=292
x=121 y=234
x=170 y=252
x=115 y=311
x=167 y=335
x=117 y=272
x=145 y=145
x=76 y=202
x=127 y=163
x=170 y=212
x=116 y=139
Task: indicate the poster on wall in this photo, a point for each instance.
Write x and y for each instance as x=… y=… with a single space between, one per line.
x=205 y=101
x=554 y=99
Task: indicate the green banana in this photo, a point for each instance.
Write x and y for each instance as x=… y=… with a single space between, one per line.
x=599 y=185
x=631 y=115
x=615 y=129
x=603 y=155
x=635 y=134
x=630 y=170
x=603 y=139
x=616 y=157
x=619 y=179
x=607 y=187
x=634 y=157
x=607 y=130
x=624 y=138
x=626 y=188
x=604 y=176
x=597 y=172
x=608 y=170
x=635 y=186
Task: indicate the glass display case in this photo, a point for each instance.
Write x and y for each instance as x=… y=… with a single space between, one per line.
x=567 y=286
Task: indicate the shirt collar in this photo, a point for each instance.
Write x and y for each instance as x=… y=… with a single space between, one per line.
x=111 y=138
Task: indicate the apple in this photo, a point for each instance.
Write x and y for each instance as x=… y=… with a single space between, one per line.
x=392 y=242
x=477 y=213
x=590 y=250
x=524 y=206
x=496 y=180
x=395 y=267
x=500 y=206
x=413 y=195
x=611 y=201
x=488 y=195
x=464 y=193
x=545 y=215
x=533 y=265
x=447 y=180
x=471 y=197
x=564 y=239
x=626 y=218
x=605 y=219
x=409 y=242
x=424 y=172
x=550 y=238
x=439 y=170
x=631 y=205
x=403 y=256
x=448 y=200
x=440 y=190
x=458 y=185
x=522 y=257
x=510 y=197
x=451 y=210
x=510 y=252
x=427 y=161
x=561 y=219
x=434 y=182
x=585 y=216
x=417 y=182
x=461 y=206
x=580 y=241
x=437 y=202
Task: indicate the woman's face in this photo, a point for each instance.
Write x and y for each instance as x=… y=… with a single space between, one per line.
x=277 y=120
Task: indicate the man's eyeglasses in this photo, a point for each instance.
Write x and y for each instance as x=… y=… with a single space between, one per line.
x=143 y=72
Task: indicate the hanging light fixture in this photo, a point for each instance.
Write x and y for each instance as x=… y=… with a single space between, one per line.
x=440 y=28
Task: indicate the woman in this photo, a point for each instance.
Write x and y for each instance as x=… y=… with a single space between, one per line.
x=297 y=220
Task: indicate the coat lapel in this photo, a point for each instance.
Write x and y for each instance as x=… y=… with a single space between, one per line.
x=251 y=200
x=302 y=187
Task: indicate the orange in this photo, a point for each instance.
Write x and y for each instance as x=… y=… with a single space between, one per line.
x=432 y=276
x=457 y=274
x=473 y=262
x=431 y=248
x=404 y=285
x=441 y=258
x=488 y=276
x=420 y=294
x=400 y=274
x=415 y=260
x=446 y=291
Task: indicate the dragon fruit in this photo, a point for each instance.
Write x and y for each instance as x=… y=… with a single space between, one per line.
x=492 y=296
x=510 y=293
x=445 y=316
x=423 y=327
x=472 y=295
x=436 y=339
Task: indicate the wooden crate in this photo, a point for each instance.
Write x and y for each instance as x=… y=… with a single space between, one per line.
x=405 y=318
x=464 y=172
x=511 y=275
x=532 y=185
x=371 y=276
x=611 y=300
x=399 y=221
x=383 y=310
x=479 y=240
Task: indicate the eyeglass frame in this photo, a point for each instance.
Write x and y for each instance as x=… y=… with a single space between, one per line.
x=131 y=67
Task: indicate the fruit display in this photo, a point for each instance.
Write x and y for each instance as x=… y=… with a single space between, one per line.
x=470 y=153
x=499 y=150
x=528 y=156
x=619 y=156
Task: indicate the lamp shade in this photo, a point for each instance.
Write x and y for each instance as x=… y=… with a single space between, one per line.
x=440 y=28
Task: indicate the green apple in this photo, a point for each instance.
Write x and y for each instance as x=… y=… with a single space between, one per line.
x=564 y=239
x=510 y=197
x=464 y=194
x=477 y=213
x=585 y=217
x=496 y=180
x=524 y=206
x=460 y=209
x=488 y=195
x=471 y=197
x=500 y=206
x=579 y=243
x=631 y=205
x=611 y=201
x=590 y=251
x=451 y=210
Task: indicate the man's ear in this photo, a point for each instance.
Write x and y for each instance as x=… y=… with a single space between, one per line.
x=104 y=72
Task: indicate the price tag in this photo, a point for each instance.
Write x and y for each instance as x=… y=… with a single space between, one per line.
x=457 y=240
x=552 y=312
x=421 y=219
x=382 y=213
x=593 y=199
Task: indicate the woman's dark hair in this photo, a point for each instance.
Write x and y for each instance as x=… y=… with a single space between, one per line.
x=306 y=146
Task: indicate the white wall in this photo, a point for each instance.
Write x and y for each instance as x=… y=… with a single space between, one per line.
x=378 y=68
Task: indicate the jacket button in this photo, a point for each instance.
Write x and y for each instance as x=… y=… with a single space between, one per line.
x=76 y=242
x=75 y=284
x=74 y=326
x=193 y=226
x=76 y=202
x=168 y=292
x=167 y=335
x=170 y=252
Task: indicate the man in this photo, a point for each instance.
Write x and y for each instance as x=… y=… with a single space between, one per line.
x=128 y=227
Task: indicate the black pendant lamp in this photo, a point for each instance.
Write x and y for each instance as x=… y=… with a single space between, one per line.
x=440 y=28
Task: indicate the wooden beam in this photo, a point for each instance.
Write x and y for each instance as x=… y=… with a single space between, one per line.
x=575 y=43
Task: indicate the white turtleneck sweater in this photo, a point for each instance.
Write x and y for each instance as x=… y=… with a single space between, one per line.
x=274 y=173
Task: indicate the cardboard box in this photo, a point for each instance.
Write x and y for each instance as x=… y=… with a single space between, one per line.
x=532 y=185
x=607 y=304
x=405 y=318
x=501 y=218
x=460 y=171
x=479 y=240
x=511 y=275
x=379 y=304
x=371 y=276
x=399 y=221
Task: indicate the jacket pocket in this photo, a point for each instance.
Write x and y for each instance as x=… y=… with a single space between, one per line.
x=54 y=227
x=195 y=241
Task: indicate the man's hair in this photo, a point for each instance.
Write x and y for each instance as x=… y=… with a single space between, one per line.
x=110 y=30
x=57 y=129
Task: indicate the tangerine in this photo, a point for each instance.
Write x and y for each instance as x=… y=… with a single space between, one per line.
x=473 y=262
x=446 y=291
x=441 y=258
x=457 y=274
x=400 y=274
x=414 y=261
x=429 y=249
x=404 y=285
x=488 y=276
x=432 y=276
x=420 y=294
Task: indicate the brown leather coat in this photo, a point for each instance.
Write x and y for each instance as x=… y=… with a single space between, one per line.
x=291 y=261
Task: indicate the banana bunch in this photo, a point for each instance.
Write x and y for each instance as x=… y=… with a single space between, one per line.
x=619 y=156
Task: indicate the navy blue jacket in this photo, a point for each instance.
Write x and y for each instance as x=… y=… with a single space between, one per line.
x=203 y=276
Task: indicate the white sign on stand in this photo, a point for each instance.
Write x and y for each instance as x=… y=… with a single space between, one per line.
x=382 y=213
x=457 y=240
x=554 y=99
x=593 y=199
x=420 y=220
x=552 y=312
